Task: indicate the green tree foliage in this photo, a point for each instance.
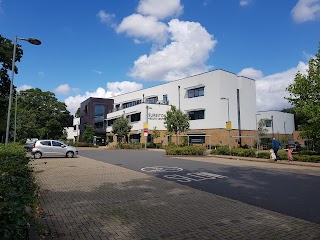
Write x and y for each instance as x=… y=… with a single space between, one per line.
x=262 y=131
x=77 y=114
x=121 y=127
x=155 y=133
x=88 y=134
x=41 y=115
x=305 y=97
x=6 y=54
x=176 y=120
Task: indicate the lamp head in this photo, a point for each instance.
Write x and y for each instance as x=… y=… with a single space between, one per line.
x=34 y=41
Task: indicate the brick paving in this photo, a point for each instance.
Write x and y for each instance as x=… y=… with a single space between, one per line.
x=87 y=199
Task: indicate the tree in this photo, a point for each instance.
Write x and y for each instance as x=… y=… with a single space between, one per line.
x=41 y=114
x=77 y=114
x=6 y=54
x=88 y=134
x=176 y=121
x=305 y=97
x=261 y=124
x=121 y=127
x=299 y=119
x=156 y=133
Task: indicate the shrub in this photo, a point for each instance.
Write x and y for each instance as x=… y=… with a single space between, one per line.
x=17 y=190
x=220 y=150
x=186 y=150
x=243 y=152
x=128 y=146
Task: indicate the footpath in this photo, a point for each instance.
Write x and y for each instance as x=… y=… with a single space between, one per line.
x=87 y=199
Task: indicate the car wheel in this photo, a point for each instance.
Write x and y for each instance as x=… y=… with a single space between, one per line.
x=37 y=155
x=69 y=155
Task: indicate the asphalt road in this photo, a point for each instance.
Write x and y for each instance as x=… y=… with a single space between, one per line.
x=292 y=194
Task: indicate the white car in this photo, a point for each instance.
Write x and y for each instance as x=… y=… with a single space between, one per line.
x=52 y=148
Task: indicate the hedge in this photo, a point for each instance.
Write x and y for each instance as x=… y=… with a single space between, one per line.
x=186 y=150
x=17 y=191
x=241 y=152
x=128 y=146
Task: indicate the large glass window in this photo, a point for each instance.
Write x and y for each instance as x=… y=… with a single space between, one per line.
x=131 y=104
x=135 y=117
x=195 y=115
x=268 y=123
x=99 y=116
x=196 y=92
x=152 y=100
x=165 y=98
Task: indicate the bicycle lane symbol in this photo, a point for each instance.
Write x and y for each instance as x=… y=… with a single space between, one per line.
x=189 y=177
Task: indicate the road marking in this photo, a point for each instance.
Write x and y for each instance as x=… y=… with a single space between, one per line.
x=161 y=169
x=198 y=176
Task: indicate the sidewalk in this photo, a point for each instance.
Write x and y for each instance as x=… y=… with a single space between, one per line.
x=88 y=199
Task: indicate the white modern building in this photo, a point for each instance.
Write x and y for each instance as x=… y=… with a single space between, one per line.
x=210 y=99
x=73 y=132
x=277 y=122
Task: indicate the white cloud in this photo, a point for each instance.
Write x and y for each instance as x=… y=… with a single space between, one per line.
x=184 y=56
x=251 y=73
x=143 y=27
x=113 y=89
x=306 y=10
x=63 y=89
x=160 y=9
x=23 y=87
x=244 y=3
x=271 y=89
x=96 y=71
x=106 y=18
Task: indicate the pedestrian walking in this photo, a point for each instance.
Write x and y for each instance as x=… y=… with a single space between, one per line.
x=275 y=146
x=290 y=157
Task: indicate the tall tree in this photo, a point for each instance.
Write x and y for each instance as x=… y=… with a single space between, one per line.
x=305 y=97
x=176 y=121
x=88 y=134
x=42 y=113
x=6 y=54
x=121 y=127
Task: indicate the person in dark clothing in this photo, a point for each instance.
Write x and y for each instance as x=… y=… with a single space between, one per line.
x=275 y=146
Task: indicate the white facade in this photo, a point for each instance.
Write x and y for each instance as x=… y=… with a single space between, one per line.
x=214 y=85
x=283 y=123
x=73 y=132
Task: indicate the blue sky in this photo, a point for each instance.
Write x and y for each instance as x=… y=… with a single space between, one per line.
x=103 y=48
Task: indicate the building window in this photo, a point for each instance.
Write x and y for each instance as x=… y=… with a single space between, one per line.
x=131 y=104
x=196 y=92
x=268 y=123
x=152 y=100
x=110 y=122
x=99 y=116
x=195 y=115
x=135 y=117
x=165 y=98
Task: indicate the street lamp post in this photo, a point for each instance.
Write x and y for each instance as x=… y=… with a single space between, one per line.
x=32 y=41
x=257 y=131
x=229 y=145
x=147 y=112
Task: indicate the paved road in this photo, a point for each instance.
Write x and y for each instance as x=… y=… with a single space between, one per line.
x=287 y=191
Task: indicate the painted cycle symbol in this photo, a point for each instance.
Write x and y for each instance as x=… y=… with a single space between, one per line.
x=160 y=169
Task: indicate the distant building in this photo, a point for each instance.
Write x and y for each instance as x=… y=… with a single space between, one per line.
x=73 y=133
x=209 y=99
x=93 y=111
x=277 y=123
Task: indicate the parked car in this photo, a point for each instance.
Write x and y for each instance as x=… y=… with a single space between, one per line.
x=52 y=148
x=29 y=144
x=296 y=146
